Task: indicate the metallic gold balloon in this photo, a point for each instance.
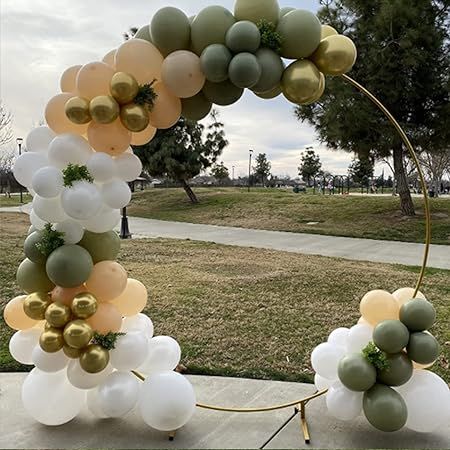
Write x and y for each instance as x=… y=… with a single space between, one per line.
x=327 y=30
x=78 y=334
x=335 y=55
x=94 y=359
x=301 y=82
x=124 y=87
x=57 y=315
x=51 y=340
x=84 y=305
x=134 y=117
x=104 y=109
x=36 y=304
x=320 y=91
x=72 y=353
x=77 y=110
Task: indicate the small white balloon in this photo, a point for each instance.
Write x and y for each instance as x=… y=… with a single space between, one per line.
x=106 y=219
x=84 y=380
x=36 y=221
x=322 y=383
x=130 y=352
x=22 y=344
x=140 y=322
x=325 y=360
x=129 y=167
x=68 y=149
x=343 y=403
x=48 y=182
x=102 y=167
x=38 y=140
x=164 y=354
x=358 y=338
x=49 y=362
x=49 y=209
x=27 y=165
x=73 y=231
x=339 y=337
x=82 y=201
x=116 y=194
x=93 y=404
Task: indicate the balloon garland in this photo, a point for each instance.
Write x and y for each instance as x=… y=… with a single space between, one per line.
x=81 y=323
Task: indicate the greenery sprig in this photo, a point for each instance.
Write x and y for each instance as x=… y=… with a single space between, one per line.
x=376 y=357
x=50 y=241
x=270 y=38
x=74 y=172
x=107 y=341
x=146 y=96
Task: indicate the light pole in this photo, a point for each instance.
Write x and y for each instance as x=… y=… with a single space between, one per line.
x=232 y=168
x=124 y=229
x=19 y=144
x=249 y=168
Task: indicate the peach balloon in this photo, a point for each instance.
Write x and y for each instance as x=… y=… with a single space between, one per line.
x=106 y=319
x=66 y=295
x=94 y=79
x=141 y=59
x=68 y=81
x=363 y=321
x=15 y=316
x=112 y=138
x=55 y=116
x=108 y=280
x=167 y=109
x=109 y=58
x=144 y=137
x=377 y=306
x=133 y=299
x=404 y=295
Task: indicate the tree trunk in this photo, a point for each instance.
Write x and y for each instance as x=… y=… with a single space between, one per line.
x=406 y=203
x=189 y=192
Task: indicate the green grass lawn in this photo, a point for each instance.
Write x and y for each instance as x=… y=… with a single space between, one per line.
x=271 y=209
x=14 y=200
x=240 y=311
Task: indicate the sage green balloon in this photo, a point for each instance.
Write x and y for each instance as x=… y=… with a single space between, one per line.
x=243 y=36
x=356 y=372
x=423 y=348
x=223 y=94
x=170 y=30
x=244 y=70
x=384 y=408
x=275 y=92
x=256 y=10
x=210 y=27
x=195 y=108
x=418 y=314
x=32 y=277
x=144 y=33
x=285 y=10
x=301 y=33
x=272 y=69
x=191 y=19
x=69 y=266
x=391 y=336
x=214 y=62
x=30 y=249
x=399 y=372
x=101 y=247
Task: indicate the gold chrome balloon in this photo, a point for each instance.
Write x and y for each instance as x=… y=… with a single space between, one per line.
x=301 y=82
x=104 y=109
x=57 y=315
x=72 y=353
x=77 y=110
x=134 y=117
x=335 y=55
x=36 y=304
x=84 y=305
x=78 y=334
x=124 y=87
x=94 y=359
x=51 y=340
x=320 y=91
x=327 y=30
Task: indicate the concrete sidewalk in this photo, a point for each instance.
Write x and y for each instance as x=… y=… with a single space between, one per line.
x=208 y=429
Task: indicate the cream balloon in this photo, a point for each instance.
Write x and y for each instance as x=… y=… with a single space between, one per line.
x=108 y=280
x=106 y=319
x=15 y=316
x=144 y=137
x=55 y=116
x=377 y=306
x=68 y=81
x=113 y=138
x=404 y=295
x=109 y=58
x=167 y=109
x=133 y=299
x=94 y=79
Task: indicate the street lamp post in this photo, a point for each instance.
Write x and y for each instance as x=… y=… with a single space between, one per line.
x=124 y=229
x=232 y=172
x=19 y=144
x=249 y=168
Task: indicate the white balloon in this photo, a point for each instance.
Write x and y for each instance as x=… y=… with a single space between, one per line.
x=107 y=219
x=140 y=322
x=49 y=362
x=84 y=380
x=22 y=343
x=50 y=399
x=322 y=383
x=339 y=337
x=27 y=165
x=102 y=167
x=164 y=354
x=129 y=166
x=68 y=149
x=358 y=338
x=130 y=352
x=38 y=140
x=82 y=201
x=325 y=360
x=73 y=231
x=49 y=209
x=93 y=404
x=36 y=221
x=48 y=182
x=343 y=403
x=116 y=194
x=167 y=401
x=118 y=394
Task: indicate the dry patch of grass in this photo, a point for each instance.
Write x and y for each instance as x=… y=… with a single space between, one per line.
x=13 y=200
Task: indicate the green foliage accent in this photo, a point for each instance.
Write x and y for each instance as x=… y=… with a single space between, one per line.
x=270 y=38
x=376 y=357
x=107 y=341
x=74 y=172
x=146 y=96
x=50 y=241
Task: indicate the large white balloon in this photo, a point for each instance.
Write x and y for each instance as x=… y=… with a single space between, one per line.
x=73 y=231
x=343 y=403
x=49 y=209
x=116 y=194
x=118 y=394
x=82 y=201
x=339 y=337
x=167 y=401
x=325 y=360
x=49 y=362
x=38 y=140
x=83 y=380
x=358 y=338
x=130 y=351
x=322 y=383
x=27 y=165
x=140 y=322
x=68 y=149
x=50 y=399
x=102 y=167
x=129 y=167
x=93 y=404
x=22 y=343
x=36 y=221
x=48 y=182
x=107 y=219
x=164 y=354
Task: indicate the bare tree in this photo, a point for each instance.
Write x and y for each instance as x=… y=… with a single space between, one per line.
x=436 y=164
x=7 y=156
x=6 y=133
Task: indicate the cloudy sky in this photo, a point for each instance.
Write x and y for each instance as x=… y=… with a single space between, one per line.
x=41 y=38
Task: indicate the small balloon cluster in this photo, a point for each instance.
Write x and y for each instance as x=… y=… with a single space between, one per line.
x=379 y=366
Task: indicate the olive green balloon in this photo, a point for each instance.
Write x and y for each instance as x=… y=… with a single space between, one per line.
x=101 y=247
x=69 y=266
x=30 y=249
x=391 y=336
x=170 y=30
x=256 y=10
x=285 y=10
x=301 y=33
x=356 y=372
x=210 y=27
x=418 y=314
x=191 y=19
x=385 y=409
x=195 y=108
x=275 y=92
x=144 y=33
x=32 y=277
x=223 y=94
x=214 y=62
x=244 y=70
x=423 y=348
x=272 y=69
x=243 y=36
x=399 y=372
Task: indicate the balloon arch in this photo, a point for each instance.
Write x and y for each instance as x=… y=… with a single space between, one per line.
x=80 y=320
